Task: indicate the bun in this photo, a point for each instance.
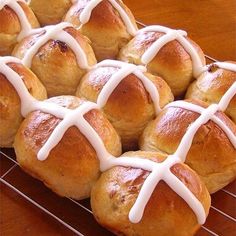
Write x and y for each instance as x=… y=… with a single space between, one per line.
x=212 y=85
x=167 y=53
x=128 y=105
x=211 y=152
x=59 y=55
x=109 y=27
x=17 y=19
x=10 y=102
x=71 y=167
x=50 y=12
x=118 y=188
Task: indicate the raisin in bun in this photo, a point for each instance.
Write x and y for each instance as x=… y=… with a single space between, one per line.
x=165 y=213
x=59 y=55
x=213 y=83
x=208 y=142
x=17 y=19
x=167 y=53
x=10 y=102
x=70 y=166
x=50 y=12
x=108 y=24
x=129 y=97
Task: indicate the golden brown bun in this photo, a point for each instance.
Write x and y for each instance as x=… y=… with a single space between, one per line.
x=172 y=62
x=212 y=85
x=55 y=63
x=130 y=107
x=50 y=12
x=10 y=27
x=72 y=167
x=165 y=214
x=105 y=28
x=10 y=104
x=211 y=155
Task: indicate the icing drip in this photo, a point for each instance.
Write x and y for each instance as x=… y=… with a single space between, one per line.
x=86 y=14
x=25 y=25
x=171 y=35
x=159 y=171
x=125 y=70
x=56 y=32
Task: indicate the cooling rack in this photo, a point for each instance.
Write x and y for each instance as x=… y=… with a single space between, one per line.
x=76 y=217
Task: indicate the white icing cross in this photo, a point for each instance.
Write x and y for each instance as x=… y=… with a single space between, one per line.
x=56 y=32
x=170 y=35
x=206 y=115
x=25 y=25
x=86 y=14
x=126 y=69
x=159 y=171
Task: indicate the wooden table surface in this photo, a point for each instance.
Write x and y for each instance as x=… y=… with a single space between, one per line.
x=212 y=24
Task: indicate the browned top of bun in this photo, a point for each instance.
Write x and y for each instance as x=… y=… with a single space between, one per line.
x=31 y=82
x=166 y=132
x=10 y=23
x=104 y=18
x=56 y=47
x=41 y=125
x=173 y=50
x=117 y=190
x=130 y=95
x=212 y=85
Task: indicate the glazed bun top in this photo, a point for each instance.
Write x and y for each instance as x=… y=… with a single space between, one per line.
x=50 y=12
x=71 y=116
x=119 y=188
x=59 y=55
x=64 y=32
x=128 y=95
x=109 y=25
x=213 y=83
x=166 y=52
x=17 y=20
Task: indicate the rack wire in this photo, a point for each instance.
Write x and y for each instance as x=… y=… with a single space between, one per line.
x=222 y=211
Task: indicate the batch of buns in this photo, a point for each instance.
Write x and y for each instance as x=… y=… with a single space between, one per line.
x=110 y=128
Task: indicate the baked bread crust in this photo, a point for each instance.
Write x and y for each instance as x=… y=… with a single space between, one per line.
x=129 y=107
x=166 y=213
x=212 y=85
x=105 y=29
x=10 y=104
x=72 y=166
x=55 y=63
x=50 y=12
x=172 y=62
x=211 y=155
x=10 y=27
